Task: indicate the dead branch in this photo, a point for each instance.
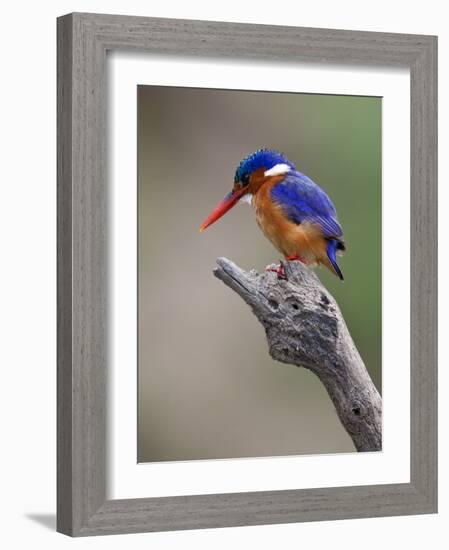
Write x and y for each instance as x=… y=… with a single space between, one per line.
x=304 y=327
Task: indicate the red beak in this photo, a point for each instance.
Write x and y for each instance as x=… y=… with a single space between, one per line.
x=226 y=204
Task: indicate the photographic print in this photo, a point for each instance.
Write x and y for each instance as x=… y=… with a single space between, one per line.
x=284 y=186
x=268 y=332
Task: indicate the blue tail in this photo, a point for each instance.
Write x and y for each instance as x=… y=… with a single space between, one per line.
x=332 y=247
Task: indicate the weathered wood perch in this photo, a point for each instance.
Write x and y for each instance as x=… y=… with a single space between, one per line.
x=304 y=327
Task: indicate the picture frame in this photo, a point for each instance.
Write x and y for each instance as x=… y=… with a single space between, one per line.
x=83 y=41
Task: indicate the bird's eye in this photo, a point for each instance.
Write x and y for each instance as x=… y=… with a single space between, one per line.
x=245 y=179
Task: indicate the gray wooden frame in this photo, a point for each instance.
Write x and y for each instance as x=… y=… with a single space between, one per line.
x=83 y=40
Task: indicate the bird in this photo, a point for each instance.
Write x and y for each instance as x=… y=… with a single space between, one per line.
x=293 y=212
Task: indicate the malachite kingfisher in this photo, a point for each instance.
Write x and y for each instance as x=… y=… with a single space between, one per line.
x=292 y=211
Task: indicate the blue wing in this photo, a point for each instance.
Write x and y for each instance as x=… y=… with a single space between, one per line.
x=303 y=201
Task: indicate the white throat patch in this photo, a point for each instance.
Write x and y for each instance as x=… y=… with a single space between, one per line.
x=248 y=198
x=277 y=170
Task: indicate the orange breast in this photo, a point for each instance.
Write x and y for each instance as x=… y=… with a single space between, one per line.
x=305 y=240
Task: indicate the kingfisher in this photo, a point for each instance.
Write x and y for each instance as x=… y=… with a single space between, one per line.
x=292 y=211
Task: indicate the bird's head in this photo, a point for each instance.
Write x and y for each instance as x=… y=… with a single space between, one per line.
x=252 y=171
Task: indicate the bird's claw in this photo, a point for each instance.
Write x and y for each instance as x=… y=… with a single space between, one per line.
x=279 y=270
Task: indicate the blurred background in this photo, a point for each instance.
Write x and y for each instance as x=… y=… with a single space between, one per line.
x=207 y=385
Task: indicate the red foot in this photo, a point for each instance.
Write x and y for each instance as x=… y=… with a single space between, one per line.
x=296 y=258
x=280 y=270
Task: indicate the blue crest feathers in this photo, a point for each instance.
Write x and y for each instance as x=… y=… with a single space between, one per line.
x=262 y=158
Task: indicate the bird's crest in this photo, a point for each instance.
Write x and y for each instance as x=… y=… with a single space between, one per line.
x=262 y=158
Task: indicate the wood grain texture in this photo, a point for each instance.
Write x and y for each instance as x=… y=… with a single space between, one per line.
x=64 y=280
x=83 y=41
x=304 y=327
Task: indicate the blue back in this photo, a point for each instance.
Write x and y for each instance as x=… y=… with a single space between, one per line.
x=303 y=201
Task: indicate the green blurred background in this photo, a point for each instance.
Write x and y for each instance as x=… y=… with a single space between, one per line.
x=207 y=386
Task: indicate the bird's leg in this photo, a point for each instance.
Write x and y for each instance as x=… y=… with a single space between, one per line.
x=280 y=270
x=296 y=258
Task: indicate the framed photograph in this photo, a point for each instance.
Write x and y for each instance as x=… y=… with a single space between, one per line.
x=222 y=365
